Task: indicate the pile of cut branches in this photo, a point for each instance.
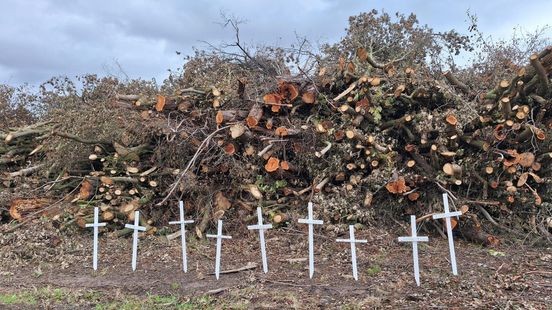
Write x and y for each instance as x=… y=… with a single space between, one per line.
x=365 y=140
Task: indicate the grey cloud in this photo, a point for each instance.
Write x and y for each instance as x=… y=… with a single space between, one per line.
x=39 y=39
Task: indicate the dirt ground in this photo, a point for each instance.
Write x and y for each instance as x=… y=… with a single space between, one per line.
x=43 y=268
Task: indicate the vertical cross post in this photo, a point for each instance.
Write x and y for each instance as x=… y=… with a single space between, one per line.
x=311 y=222
x=219 y=237
x=414 y=238
x=182 y=223
x=447 y=215
x=261 y=229
x=353 y=242
x=96 y=225
x=136 y=227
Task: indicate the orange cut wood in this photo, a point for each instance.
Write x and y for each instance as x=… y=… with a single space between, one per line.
x=281 y=131
x=288 y=91
x=86 y=190
x=526 y=159
x=106 y=180
x=451 y=119
x=230 y=149
x=272 y=99
x=219 y=118
x=272 y=164
x=513 y=161
x=160 y=105
x=398 y=186
x=399 y=90
x=499 y=133
x=413 y=196
x=362 y=54
x=363 y=103
x=285 y=165
x=19 y=208
x=341 y=63
x=351 y=67
x=254 y=116
x=308 y=98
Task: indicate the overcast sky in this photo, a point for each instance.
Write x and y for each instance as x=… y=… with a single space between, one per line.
x=44 y=38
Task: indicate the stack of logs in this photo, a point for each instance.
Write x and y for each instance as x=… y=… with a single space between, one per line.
x=21 y=146
x=356 y=127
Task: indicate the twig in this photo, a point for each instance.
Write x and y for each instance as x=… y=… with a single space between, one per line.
x=439 y=230
x=321 y=185
x=324 y=150
x=266 y=149
x=217 y=290
x=345 y=92
x=279 y=104
x=451 y=195
x=77 y=138
x=26 y=171
x=249 y=266
x=422 y=218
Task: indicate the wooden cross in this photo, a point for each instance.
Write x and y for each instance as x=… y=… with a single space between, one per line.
x=310 y=221
x=414 y=238
x=447 y=215
x=182 y=223
x=261 y=229
x=353 y=242
x=136 y=227
x=219 y=237
x=96 y=225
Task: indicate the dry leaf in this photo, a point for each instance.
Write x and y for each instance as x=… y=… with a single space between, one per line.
x=221 y=202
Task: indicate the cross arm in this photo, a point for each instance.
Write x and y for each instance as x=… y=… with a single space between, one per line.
x=266 y=226
x=349 y=240
x=314 y=222
x=445 y=215
x=95 y=224
x=218 y=236
x=181 y=222
x=140 y=228
x=413 y=239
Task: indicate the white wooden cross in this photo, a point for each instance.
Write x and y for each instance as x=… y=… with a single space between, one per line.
x=261 y=229
x=353 y=242
x=96 y=225
x=182 y=223
x=219 y=237
x=447 y=215
x=310 y=221
x=414 y=238
x=136 y=227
